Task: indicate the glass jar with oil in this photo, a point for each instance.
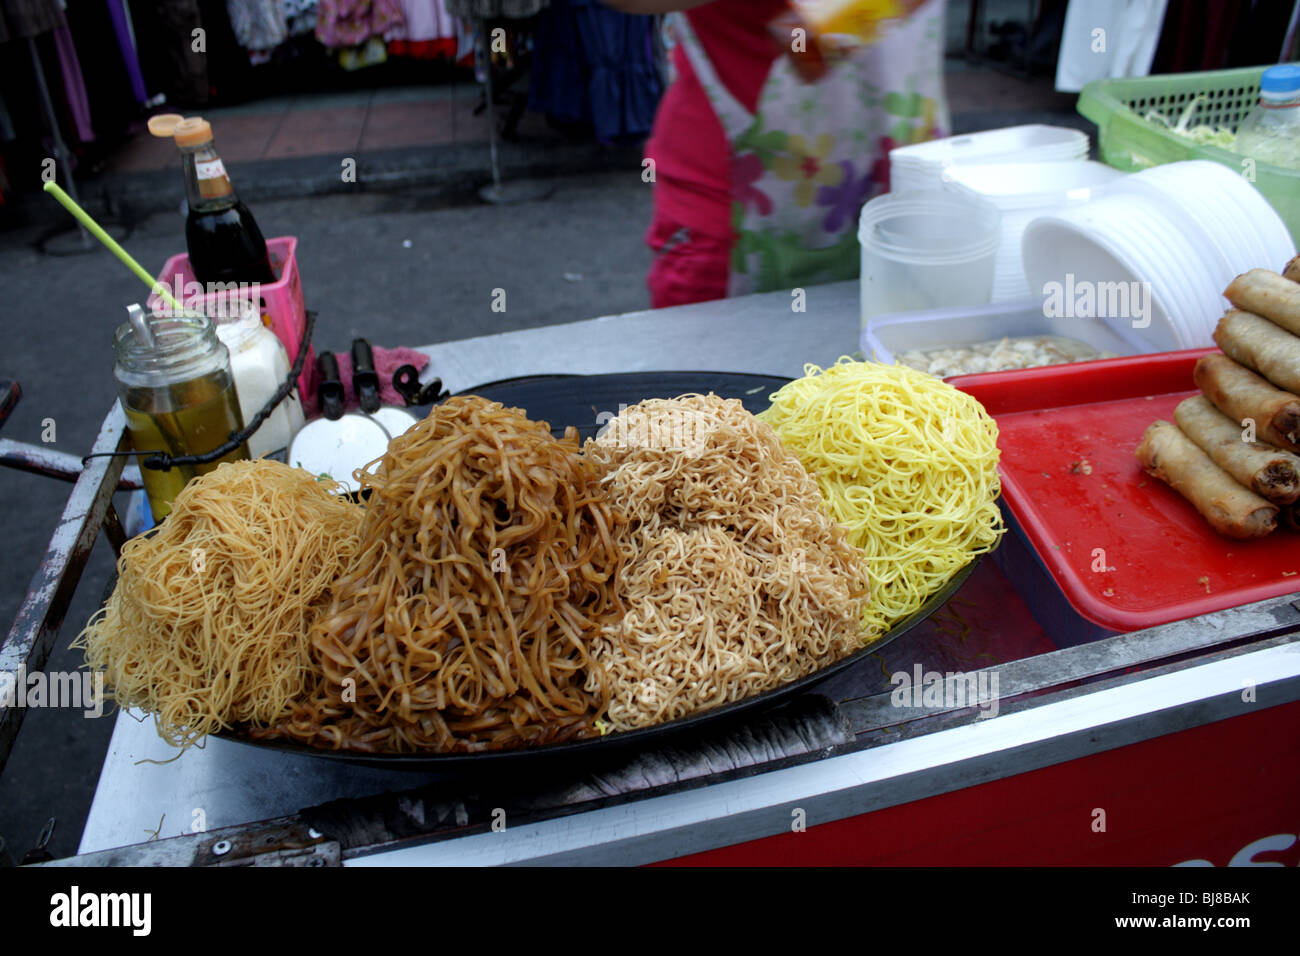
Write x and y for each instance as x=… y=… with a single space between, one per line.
x=179 y=397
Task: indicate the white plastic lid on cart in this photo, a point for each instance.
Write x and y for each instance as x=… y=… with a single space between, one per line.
x=337 y=448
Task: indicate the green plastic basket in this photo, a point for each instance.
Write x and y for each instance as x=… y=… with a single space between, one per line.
x=1129 y=141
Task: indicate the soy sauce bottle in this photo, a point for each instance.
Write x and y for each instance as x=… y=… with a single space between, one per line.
x=225 y=244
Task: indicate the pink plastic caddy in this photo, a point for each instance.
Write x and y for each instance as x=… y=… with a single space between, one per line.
x=281 y=301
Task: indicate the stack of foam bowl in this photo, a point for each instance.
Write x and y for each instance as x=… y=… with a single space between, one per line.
x=922 y=166
x=1153 y=252
x=1238 y=226
x=926 y=250
x=1022 y=192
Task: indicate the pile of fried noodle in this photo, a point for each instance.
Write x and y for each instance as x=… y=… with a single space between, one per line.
x=207 y=626
x=488 y=566
x=736 y=580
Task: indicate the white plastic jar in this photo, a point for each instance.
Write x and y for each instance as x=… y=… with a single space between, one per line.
x=259 y=365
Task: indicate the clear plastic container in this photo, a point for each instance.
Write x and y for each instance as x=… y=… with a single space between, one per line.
x=888 y=336
x=926 y=250
x=1271 y=132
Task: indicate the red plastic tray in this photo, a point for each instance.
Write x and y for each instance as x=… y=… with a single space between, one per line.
x=1162 y=561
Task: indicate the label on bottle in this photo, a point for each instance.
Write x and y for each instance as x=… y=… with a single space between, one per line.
x=213 y=181
x=210 y=169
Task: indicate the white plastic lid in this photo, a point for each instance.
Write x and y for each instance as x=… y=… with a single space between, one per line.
x=930 y=227
x=1028 y=185
x=1029 y=142
x=394 y=420
x=338 y=448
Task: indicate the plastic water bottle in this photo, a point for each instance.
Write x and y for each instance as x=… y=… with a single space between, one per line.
x=1271 y=132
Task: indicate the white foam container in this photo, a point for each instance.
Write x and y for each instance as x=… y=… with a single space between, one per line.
x=921 y=165
x=1241 y=230
x=1007 y=141
x=1022 y=191
x=886 y=336
x=1185 y=230
x=1085 y=246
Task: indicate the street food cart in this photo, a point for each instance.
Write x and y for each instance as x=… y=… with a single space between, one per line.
x=1161 y=745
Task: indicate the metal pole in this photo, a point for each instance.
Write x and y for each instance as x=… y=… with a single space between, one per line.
x=518 y=190
x=61 y=153
x=491 y=108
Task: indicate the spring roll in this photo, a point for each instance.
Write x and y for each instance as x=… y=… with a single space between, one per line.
x=1292 y=270
x=1265 y=293
x=1230 y=509
x=1258 y=344
x=1269 y=472
x=1241 y=394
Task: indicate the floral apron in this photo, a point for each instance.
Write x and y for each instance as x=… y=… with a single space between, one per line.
x=803 y=165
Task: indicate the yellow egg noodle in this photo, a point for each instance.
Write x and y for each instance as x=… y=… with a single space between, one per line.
x=907 y=463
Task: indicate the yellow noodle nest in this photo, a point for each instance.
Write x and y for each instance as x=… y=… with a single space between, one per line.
x=907 y=463
x=735 y=580
x=207 y=626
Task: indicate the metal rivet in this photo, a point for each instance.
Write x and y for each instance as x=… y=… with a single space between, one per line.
x=221 y=848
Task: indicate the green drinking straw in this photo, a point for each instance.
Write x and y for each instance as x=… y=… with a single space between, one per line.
x=97 y=231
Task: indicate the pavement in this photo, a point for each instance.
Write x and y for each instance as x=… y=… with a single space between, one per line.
x=431 y=137
x=356 y=141
x=406 y=254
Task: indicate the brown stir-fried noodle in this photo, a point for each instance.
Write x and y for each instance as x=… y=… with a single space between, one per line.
x=207 y=626
x=736 y=580
x=489 y=563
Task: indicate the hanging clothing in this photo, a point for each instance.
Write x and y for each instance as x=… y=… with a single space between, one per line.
x=596 y=66
x=1107 y=38
x=1220 y=34
x=760 y=176
x=299 y=16
x=350 y=23
x=258 y=24
x=429 y=32
x=29 y=18
x=114 y=89
x=466 y=42
x=74 y=87
x=495 y=9
x=426 y=20
x=165 y=29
